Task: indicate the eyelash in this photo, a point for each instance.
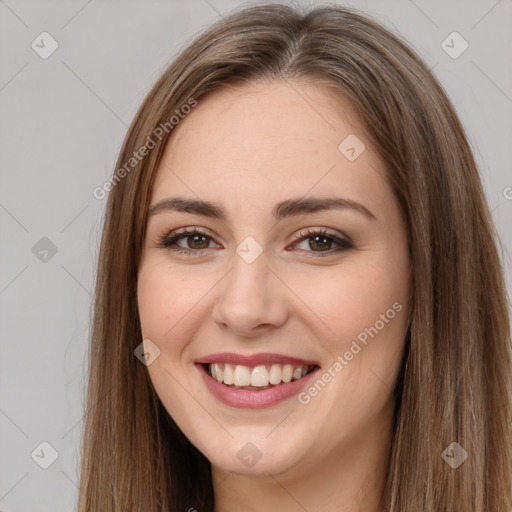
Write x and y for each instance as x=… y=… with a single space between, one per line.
x=166 y=241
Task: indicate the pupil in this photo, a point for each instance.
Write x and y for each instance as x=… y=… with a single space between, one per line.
x=195 y=239
x=316 y=238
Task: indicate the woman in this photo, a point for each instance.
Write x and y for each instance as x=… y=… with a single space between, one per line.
x=232 y=364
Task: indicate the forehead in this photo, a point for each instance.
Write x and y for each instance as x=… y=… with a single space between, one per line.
x=260 y=143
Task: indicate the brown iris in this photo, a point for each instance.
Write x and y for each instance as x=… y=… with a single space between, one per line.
x=203 y=245
x=313 y=244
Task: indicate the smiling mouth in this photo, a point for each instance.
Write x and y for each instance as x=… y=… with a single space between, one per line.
x=256 y=378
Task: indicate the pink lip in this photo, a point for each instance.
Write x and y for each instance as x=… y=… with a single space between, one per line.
x=253 y=360
x=248 y=399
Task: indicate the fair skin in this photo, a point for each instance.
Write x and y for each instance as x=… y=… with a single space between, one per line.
x=246 y=149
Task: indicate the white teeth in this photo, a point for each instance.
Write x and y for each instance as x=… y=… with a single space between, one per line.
x=228 y=374
x=297 y=373
x=217 y=373
x=259 y=377
x=287 y=373
x=274 y=377
x=242 y=376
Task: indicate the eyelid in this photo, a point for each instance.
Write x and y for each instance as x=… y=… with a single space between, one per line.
x=342 y=242
x=167 y=237
x=303 y=233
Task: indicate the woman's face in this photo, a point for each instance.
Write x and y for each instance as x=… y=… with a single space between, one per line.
x=297 y=262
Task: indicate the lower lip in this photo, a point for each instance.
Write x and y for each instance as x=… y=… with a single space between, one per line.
x=250 y=399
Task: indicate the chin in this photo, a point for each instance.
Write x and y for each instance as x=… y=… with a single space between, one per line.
x=254 y=455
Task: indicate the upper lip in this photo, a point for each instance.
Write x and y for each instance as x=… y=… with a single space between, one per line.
x=254 y=359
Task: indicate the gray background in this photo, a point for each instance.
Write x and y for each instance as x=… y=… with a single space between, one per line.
x=62 y=123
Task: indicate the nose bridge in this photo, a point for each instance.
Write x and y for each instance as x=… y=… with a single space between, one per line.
x=249 y=297
x=248 y=281
x=250 y=270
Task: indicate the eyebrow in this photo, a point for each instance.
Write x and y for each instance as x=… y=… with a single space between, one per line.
x=288 y=208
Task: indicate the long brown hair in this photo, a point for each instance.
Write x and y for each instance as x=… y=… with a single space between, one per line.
x=456 y=378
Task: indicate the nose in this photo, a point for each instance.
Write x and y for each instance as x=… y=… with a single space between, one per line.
x=251 y=299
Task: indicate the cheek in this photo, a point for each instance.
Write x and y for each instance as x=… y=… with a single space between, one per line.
x=170 y=308
x=170 y=304
x=348 y=301
x=365 y=303
x=368 y=315
x=363 y=310
x=371 y=299
x=165 y=296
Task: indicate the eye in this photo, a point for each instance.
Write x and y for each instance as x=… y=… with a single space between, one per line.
x=321 y=243
x=193 y=242
x=187 y=241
